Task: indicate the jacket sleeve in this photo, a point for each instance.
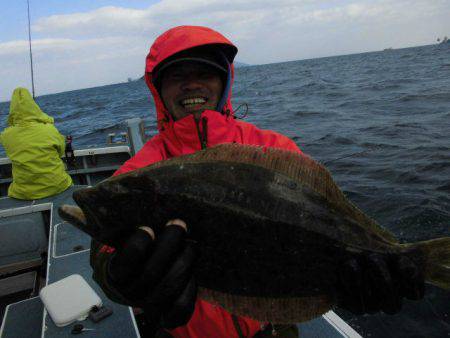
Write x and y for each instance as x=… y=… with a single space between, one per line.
x=61 y=145
x=150 y=153
x=267 y=138
x=285 y=143
x=58 y=140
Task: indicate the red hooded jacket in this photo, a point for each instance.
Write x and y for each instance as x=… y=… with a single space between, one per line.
x=186 y=136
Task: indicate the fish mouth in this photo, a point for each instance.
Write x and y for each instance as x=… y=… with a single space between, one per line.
x=193 y=102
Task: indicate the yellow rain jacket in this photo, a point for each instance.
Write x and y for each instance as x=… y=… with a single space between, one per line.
x=35 y=148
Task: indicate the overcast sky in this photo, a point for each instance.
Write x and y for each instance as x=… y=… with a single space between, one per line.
x=80 y=44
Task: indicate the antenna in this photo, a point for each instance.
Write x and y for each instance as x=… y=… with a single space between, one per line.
x=31 y=54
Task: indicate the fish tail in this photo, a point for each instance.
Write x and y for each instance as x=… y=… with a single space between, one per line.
x=436 y=253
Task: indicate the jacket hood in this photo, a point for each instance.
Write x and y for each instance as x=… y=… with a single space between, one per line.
x=179 y=39
x=23 y=109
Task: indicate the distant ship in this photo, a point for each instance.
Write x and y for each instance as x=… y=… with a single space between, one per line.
x=444 y=40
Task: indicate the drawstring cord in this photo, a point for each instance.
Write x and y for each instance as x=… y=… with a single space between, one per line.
x=243 y=116
x=162 y=123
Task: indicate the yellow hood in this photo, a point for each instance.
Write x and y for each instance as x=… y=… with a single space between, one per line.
x=23 y=109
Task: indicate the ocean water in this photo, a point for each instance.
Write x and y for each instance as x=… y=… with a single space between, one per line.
x=379 y=121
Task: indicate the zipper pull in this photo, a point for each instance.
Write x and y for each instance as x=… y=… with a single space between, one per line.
x=204 y=134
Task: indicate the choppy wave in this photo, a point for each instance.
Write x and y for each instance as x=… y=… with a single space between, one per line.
x=444 y=97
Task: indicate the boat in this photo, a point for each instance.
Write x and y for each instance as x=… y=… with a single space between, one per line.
x=51 y=249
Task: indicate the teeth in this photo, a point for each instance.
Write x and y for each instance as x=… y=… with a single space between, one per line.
x=196 y=100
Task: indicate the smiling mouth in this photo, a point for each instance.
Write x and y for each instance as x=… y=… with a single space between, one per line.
x=193 y=101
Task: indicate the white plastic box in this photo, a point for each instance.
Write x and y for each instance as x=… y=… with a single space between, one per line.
x=69 y=299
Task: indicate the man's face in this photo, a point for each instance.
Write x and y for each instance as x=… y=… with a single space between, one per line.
x=190 y=88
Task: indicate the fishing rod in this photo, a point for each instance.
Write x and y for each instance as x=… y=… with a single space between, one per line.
x=29 y=42
x=359 y=153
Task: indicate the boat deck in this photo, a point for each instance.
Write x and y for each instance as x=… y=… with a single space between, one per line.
x=68 y=253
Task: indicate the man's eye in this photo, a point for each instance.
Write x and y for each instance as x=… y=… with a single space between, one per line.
x=206 y=75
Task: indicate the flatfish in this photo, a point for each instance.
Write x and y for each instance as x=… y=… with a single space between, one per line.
x=271 y=227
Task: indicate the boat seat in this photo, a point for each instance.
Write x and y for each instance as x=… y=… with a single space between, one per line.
x=23 y=319
x=24 y=240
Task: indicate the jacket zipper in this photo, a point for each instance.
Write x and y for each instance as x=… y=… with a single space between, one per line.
x=202 y=135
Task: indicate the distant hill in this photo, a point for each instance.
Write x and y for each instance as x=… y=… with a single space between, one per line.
x=238 y=64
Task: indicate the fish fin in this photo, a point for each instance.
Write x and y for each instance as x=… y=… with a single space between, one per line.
x=75 y=216
x=437 y=261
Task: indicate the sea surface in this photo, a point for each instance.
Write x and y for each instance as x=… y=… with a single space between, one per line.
x=379 y=121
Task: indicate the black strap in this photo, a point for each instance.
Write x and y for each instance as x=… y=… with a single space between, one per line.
x=237 y=326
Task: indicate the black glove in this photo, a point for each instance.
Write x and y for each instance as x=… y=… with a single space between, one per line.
x=156 y=275
x=376 y=282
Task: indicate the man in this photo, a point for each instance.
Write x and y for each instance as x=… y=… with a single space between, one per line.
x=189 y=71
x=35 y=148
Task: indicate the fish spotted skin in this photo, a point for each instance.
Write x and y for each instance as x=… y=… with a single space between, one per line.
x=271 y=227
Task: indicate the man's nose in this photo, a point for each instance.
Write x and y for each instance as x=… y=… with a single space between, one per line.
x=190 y=83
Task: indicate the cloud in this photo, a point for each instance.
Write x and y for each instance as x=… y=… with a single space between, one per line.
x=109 y=44
x=107 y=21
x=42 y=45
